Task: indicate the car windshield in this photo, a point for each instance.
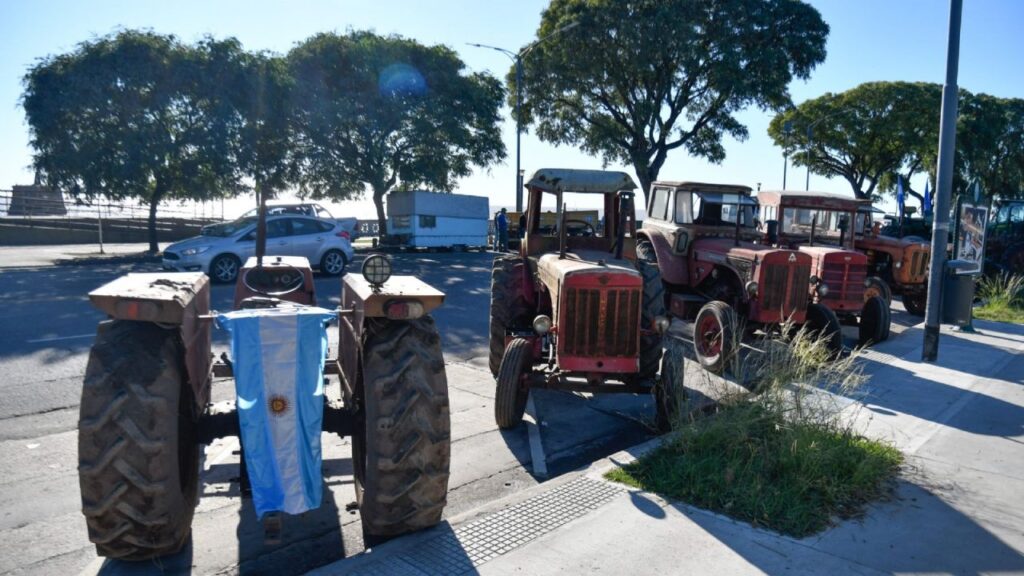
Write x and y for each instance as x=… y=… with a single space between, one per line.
x=826 y=223
x=229 y=228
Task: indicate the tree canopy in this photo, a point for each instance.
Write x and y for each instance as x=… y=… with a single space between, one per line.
x=132 y=115
x=877 y=131
x=387 y=112
x=636 y=79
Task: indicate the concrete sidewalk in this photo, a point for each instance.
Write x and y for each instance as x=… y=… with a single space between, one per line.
x=41 y=256
x=957 y=507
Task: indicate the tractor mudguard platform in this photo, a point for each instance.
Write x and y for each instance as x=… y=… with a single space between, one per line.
x=279 y=356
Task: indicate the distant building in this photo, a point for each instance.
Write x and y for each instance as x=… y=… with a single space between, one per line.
x=36 y=200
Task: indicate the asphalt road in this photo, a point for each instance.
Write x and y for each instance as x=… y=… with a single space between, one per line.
x=47 y=328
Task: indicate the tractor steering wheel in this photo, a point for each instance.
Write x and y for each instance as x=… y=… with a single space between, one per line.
x=588 y=229
x=273 y=282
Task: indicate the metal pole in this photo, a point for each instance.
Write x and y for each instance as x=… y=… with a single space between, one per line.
x=519 y=131
x=785 y=165
x=810 y=144
x=99 y=224
x=943 y=186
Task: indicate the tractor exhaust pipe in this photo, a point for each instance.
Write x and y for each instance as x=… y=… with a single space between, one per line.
x=561 y=234
x=625 y=207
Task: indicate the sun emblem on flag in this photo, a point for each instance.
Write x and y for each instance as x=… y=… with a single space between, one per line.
x=278 y=405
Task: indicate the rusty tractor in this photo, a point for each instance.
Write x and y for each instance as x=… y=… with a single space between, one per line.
x=145 y=411
x=901 y=262
x=820 y=224
x=576 y=310
x=704 y=240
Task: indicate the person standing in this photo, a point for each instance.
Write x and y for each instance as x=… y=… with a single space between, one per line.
x=501 y=226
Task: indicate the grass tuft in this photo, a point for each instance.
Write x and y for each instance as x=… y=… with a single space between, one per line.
x=1003 y=298
x=781 y=457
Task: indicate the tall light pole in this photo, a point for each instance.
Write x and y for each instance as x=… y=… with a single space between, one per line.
x=787 y=128
x=517 y=59
x=943 y=186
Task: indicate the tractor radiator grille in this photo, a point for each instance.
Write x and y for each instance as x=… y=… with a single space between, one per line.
x=600 y=322
x=919 y=264
x=785 y=288
x=844 y=281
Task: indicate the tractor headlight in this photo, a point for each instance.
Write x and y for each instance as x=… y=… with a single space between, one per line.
x=541 y=324
x=867 y=282
x=815 y=280
x=194 y=251
x=822 y=289
x=898 y=264
x=661 y=324
x=752 y=289
x=377 y=269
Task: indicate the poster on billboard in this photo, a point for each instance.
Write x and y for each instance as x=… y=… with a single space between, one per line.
x=970 y=241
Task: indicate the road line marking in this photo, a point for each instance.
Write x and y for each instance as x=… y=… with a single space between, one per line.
x=55 y=338
x=540 y=466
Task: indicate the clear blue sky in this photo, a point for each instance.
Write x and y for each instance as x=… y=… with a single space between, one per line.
x=870 y=40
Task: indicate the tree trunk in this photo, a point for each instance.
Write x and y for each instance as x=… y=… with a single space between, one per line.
x=154 y=201
x=643 y=174
x=379 y=190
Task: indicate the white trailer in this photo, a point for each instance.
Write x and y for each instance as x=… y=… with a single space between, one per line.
x=422 y=219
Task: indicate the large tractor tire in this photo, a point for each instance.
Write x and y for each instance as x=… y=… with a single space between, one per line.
x=823 y=322
x=510 y=395
x=653 y=307
x=138 y=457
x=669 y=392
x=714 y=336
x=509 y=307
x=401 y=447
x=916 y=303
x=645 y=251
x=874 y=322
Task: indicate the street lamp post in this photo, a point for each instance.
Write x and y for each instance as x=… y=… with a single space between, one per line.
x=517 y=59
x=787 y=128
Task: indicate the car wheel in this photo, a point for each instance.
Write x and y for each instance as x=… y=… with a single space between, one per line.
x=224 y=268
x=333 y=263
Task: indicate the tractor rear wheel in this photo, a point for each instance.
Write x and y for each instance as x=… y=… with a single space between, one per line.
x=714 y=334
x=138 y=455
x=509 y=307
x=824 y=323
x=653 y=307
x=877 y=287
x=874 y=322
x=915 y=303
x=510 y=395
x=401 y=448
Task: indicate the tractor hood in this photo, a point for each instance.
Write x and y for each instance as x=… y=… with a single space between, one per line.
x=717 y=249
x=554 y=271
x=822 y=255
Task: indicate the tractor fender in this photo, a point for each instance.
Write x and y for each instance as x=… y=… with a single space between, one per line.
x=673 y=267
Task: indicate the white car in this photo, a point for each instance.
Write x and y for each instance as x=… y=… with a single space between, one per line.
x=222 y=248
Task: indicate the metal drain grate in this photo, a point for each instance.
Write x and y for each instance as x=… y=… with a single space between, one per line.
x=473 y=544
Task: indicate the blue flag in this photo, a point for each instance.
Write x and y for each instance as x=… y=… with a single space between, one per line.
x=279 y=358
x=927 y=200
x=899 y=197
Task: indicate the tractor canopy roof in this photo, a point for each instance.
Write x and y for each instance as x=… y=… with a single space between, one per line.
x=703 y=188
x=585 y=181
x=811 y=199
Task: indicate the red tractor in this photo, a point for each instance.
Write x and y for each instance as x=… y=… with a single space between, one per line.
x=575 y=309
x=820 y=224
x=705 y=241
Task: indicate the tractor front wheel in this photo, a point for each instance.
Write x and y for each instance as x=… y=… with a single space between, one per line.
x=877 y=287
x=138 y=456
x=916 y=303
x=669 y=391
x=874 y=322
x=653 y=307
x=401 y=448
x=823 y=323
x=714 y=334
x=510 y=395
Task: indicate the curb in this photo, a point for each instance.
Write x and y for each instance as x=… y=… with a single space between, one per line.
x=122 y=259
x=387 y=556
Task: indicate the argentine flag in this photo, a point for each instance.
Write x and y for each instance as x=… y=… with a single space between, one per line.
x=279 y=358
